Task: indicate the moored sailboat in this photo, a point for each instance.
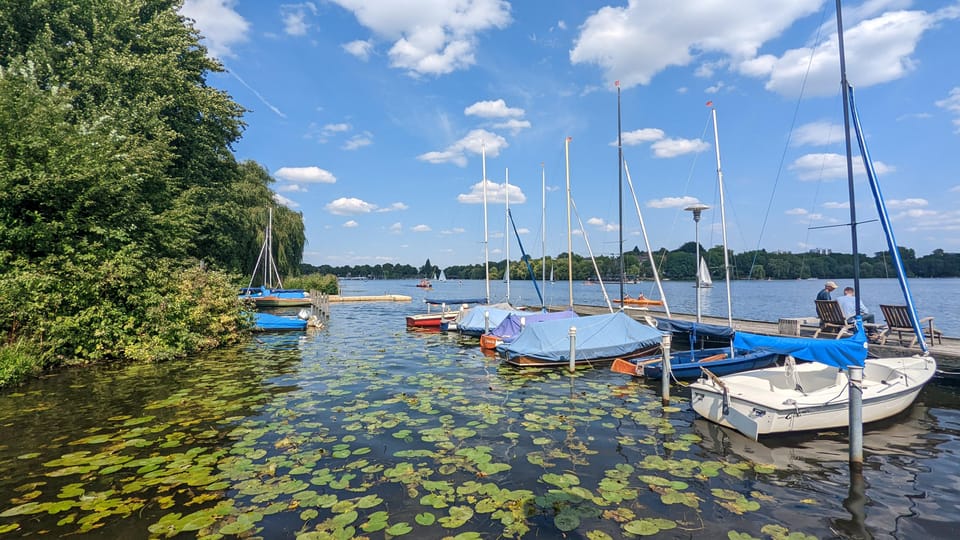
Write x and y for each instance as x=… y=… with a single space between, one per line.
x=817 y=395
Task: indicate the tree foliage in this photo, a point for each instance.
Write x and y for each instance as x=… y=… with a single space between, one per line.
x=124 y=216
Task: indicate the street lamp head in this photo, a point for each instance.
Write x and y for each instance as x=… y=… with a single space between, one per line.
x=697 y=209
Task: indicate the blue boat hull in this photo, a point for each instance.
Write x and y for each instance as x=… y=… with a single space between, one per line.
x=686 y=364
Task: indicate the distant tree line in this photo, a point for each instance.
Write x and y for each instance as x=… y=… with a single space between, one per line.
x=678 y=264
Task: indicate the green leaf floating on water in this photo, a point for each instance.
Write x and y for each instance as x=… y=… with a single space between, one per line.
x=649 y=526
x=425 y=518
x=567 y=520
x=458 y=516
x=399 y=529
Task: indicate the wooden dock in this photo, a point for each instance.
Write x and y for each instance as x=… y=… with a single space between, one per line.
x=336 y=298
x=947 y=353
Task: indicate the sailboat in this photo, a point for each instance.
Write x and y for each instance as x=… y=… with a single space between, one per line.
x=687 y=364
x=442 y=276
x=816 y=395
x=703 y=274
x=271 y=293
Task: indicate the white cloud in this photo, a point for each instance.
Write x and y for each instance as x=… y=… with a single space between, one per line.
x=636 y=42
x=291 y=188
x=359 y=48
x=280 y=199
x=602 y=225
x=796 y=212
x=952 y=104
x=514 y=125
x=306 y=174
x=817 y=133
x=955 y=189
x=358 y=141
x=672 y=202
x=834 y=205
x=523 y=230
x=331 y=129
x=906 y=203
x=396 y=228
x=394 y=207
x=668 y=148
x=295 y=17
x=351 y=224
x=345 y=206
x=493 y=109
x=430 y=39
x=878 y=50
x=473 y=142
x=495 y=194
x=832 y=167
x=455 y=230
x=640 y=136
x=219 y=24
x=420 y=228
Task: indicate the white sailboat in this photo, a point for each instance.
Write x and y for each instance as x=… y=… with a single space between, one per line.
x=442 y=276
x=703 y=274
x=816 y=395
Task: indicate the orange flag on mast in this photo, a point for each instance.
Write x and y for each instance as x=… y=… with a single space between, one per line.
x=709 y=104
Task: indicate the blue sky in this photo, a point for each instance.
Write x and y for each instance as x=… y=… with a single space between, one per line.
x=372 y=114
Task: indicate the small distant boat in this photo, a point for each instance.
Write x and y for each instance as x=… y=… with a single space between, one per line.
x=641 y=300
x=445 y=315
x=703 y=275
x=425 y=284
x=442 y=277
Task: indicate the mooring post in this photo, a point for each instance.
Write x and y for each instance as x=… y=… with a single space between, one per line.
x=855 y=391
x=486 y=322
x=665 y=371
x=573 y=348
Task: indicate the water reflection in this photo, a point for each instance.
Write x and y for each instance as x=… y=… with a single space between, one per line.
x=366 y=427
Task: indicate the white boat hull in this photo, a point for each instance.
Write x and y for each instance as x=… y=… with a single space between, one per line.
x=809 y=396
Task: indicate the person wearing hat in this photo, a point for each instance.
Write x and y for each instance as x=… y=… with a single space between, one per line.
x=828 y=288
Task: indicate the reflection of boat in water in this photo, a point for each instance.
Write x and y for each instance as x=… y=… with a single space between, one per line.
x=907 y=434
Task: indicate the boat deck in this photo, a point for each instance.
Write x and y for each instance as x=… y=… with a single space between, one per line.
x=947 y=353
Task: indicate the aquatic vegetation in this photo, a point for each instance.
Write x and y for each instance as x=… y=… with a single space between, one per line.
x=337 y=436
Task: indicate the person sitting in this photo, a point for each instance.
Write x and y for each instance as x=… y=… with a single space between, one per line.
x=828 y=288
x=848 y=304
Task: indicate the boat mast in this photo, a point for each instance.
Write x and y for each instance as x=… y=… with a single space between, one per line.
x=844 y=88
x=566 y=147
x=543 y=231
x=620 y=189
x=723 y=219
x=506 y=226
x=486 y=250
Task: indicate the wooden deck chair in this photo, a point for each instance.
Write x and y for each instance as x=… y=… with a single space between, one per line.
x=898 y=320
x=832 y=319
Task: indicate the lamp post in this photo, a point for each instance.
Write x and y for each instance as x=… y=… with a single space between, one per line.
x=697 y=209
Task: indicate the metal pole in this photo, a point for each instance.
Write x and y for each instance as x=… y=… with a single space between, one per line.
x=696 y=221
x=855 y=392
x=620 y=190
x=506 y=227
x=573 y=348
x=665 y=371
x=486 y=244
x=486 y=322
x=569 y=239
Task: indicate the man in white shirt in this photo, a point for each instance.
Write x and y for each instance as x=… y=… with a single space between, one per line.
x=848 y=303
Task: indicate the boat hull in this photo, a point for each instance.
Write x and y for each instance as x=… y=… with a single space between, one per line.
x=685 y=365
x=812 y=397
x=430 y=320
x=533 y=361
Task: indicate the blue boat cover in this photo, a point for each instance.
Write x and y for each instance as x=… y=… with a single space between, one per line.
x=269 y=321
x=598 y=336
x=514 y=323
x=694 y=329
x=840 y=353
x=474 y=321
x=260 y=292
x=454 y=301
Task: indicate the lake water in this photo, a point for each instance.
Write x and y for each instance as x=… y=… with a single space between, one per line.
x=368 y=429
x=755 y=300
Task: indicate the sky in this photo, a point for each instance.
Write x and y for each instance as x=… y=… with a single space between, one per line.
x=377 y=119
